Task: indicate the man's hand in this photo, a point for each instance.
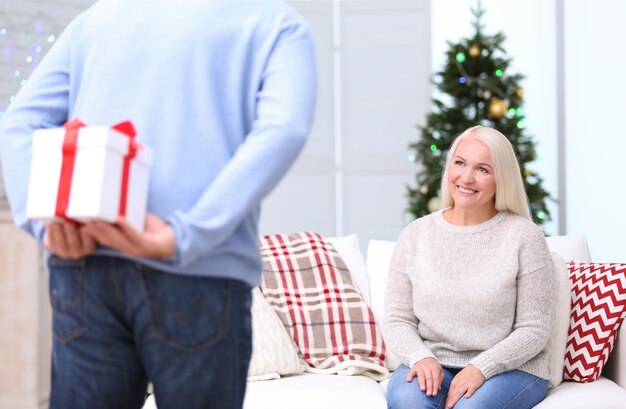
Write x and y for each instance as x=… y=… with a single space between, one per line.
x=465 y=383
x=157 y=241
x=429 y=375
x=68 y=240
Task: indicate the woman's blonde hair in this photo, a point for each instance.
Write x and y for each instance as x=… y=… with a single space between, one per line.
x=510 y=193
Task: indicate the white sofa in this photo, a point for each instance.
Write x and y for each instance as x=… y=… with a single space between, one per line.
x=317 y=391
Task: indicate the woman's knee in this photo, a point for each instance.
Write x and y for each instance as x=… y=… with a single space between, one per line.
x=400 y=393
x=407 y=395
x=413 y=398
x=511 y=390
x=475 y=402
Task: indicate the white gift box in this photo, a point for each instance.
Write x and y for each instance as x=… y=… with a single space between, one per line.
x=78 y=173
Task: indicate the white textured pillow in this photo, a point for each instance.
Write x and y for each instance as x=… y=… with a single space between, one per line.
x=273 y=352
x=558 y=338
x=377 y=261
x=572 y=247
x=350 y=252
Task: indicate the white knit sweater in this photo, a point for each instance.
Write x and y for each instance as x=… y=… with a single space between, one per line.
x=480 y=295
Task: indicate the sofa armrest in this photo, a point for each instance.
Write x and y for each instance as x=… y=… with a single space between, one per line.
x=615 y=368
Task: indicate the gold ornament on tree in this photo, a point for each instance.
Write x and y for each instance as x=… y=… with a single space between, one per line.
x=498 y=107
x=474 y=51
x=433 y=204
x=520 y=92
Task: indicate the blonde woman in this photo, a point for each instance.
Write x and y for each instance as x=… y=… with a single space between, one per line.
x=469 y=304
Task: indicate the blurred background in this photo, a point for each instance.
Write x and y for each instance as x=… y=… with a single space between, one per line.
x=376 y=61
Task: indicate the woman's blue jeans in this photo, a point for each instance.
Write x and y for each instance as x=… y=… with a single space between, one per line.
x=118 y=325
x=511 y=390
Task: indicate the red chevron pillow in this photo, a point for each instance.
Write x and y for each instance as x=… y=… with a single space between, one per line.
x=598 y=309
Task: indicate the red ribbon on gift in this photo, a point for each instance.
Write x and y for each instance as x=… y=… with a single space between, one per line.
x=70 y=141
x=67 y=166
x=127 y=129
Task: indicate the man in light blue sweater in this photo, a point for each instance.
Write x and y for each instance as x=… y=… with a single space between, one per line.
x=224 y=93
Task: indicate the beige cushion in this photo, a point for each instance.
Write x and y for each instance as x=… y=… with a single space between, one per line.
x=273 y=352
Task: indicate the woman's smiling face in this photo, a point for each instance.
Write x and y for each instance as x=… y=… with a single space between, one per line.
x=471 y=178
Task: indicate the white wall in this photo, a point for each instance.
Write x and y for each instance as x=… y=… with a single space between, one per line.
x=374 y=87
x=374 y=61
x=595 y=135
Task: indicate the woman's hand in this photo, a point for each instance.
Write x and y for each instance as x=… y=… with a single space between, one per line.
x=157 y=241
x=429 y=375
x=466 y=382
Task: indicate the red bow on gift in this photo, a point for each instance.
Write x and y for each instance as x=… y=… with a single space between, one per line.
x=70 y=141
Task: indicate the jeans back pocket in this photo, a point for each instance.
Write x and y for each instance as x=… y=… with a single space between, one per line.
x=187 y=313
x=66 y=280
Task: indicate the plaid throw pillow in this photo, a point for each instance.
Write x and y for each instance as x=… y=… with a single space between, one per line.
x=598 y=308
x=311 y=290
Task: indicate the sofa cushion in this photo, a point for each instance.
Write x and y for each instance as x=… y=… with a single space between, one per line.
x=313 y=391
x=310 y=288
x=273 y=351
x=326 y=391
x=598 y=308
x=601 y=394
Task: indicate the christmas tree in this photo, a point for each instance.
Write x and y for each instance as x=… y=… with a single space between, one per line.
x=476 y=89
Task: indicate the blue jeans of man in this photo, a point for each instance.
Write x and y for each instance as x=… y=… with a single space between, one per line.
x=118 y=325
x=511 y=390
